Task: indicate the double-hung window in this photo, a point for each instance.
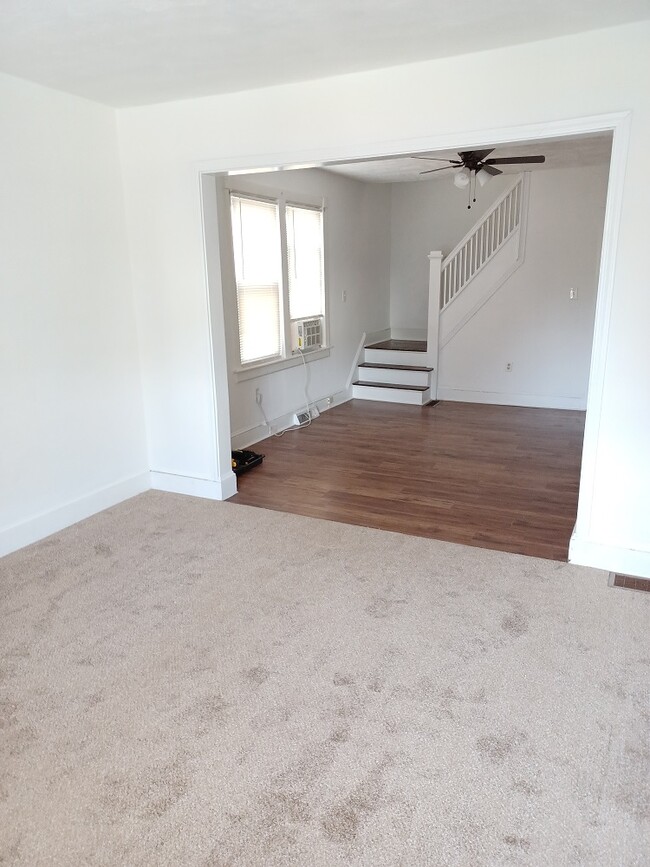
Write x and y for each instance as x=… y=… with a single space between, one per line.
x=279 y=276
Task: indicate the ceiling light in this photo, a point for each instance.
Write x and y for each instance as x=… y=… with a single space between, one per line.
x=461 y=179
x=483 y=177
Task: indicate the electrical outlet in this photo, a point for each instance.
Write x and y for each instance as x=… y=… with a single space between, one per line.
x=344 y=296
x=258 y=396
x=573 y=294
x=509 y=366
x=330 y=401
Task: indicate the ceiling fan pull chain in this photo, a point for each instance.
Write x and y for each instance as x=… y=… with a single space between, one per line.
x=469 y=191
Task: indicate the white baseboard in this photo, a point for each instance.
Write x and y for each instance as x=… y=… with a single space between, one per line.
x=44 y=524
x=209 y=489
x=356 y=360
x=377 y=336
x=249 y=436
x=408 y=334
x=628 y=561
x=542 y=401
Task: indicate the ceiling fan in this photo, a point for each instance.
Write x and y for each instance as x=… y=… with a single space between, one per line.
x=474 y=165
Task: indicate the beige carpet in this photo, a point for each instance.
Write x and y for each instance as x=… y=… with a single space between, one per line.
x=194 y=683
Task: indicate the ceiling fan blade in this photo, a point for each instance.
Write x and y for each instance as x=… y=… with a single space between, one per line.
x=491 y=170
x=475 y=156
x=512 y=161
x=441 y=169
x=438 y=160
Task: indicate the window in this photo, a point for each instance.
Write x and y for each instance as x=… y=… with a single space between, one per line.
x=278 y=258
x=258 y=273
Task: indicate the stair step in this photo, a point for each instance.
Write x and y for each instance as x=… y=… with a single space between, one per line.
x=395 y=366
x=385 y=373
x=392 y=385
x=391 y=393
x=395 y=357
x=400 y=345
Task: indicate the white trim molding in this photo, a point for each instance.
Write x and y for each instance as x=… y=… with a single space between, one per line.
x=613 y=558
x=405 y=334
x=378 y=336
x=218 y=366
x=355 y=362
x=541 y=401
x=44 y=524
x=339 y=151
x=459 y=139
x=242 y=439
x=620 y=124
x=254 y=371
x=208 y=489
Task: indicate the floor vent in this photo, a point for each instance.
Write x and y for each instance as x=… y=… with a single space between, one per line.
x=629 y=582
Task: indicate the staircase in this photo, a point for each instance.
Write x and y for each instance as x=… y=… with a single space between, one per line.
x=481 y=262
x=394 y=371
x=461 y=283
x=407 y=371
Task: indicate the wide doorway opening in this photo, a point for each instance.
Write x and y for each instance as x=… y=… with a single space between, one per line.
x=485 y=449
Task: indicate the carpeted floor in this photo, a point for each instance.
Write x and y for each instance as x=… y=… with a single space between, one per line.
x=186 y=682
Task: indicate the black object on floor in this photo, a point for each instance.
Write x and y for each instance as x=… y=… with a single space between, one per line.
x=244 y=459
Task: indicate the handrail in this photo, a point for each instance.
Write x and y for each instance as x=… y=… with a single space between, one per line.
x=482 y=242
x=485 y=216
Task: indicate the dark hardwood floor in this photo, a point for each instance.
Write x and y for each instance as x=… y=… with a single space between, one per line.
x=401 y=345
x=492 y=476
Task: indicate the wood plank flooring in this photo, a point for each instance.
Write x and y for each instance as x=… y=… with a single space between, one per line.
x=492 y=476
x=400 y=345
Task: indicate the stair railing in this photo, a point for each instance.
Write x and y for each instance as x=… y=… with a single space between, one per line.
x=482 y=242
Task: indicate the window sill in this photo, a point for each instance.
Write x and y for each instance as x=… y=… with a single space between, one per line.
x=241 y=374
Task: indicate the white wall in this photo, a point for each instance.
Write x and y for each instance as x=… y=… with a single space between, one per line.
x=531 y=322
x=72 y=437
x=384 y=111
x=426 y=216
x=357 y=252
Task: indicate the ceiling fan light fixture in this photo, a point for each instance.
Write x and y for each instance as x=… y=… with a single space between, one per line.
x=483 y=177
x=461 y=179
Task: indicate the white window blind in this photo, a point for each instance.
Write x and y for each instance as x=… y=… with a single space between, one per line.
x=305 y=261
x=258 y=274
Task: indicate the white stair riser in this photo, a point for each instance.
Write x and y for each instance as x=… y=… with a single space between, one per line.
x=393 y=356
x=391 y=395
x=399 y=377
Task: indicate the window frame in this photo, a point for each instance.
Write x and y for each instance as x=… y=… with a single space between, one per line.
x=282 y=198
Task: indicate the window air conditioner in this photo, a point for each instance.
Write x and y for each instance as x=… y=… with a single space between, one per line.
x=306 y=334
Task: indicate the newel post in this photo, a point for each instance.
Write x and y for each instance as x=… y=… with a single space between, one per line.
x=435 y=277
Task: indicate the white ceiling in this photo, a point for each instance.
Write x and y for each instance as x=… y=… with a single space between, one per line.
x=585 y=150
x=132 y=52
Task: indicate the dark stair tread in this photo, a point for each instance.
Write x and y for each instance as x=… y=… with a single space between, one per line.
x=392 y=385
x=396 y=366
x=400 y=345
